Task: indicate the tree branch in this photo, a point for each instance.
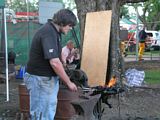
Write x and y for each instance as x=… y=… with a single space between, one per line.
x=133 y=1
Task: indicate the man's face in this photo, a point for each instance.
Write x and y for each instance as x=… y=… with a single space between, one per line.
x=71 y=46
x=65 y=29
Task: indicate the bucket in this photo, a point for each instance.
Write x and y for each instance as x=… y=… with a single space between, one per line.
x=65 y=110
x=21 y=72
x=23 y=98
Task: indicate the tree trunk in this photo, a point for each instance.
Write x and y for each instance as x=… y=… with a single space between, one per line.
x=84 y=6
x=115 y=64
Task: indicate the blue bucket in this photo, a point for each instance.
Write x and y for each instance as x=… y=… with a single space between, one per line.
x=21 y=72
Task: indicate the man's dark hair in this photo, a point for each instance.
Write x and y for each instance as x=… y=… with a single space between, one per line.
x=65 y=17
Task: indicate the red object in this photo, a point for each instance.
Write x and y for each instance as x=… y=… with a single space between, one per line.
x=25 y=13
x=131 y=39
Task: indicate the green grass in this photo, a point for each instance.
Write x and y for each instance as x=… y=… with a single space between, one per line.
x=153 y=53
x=152 y=76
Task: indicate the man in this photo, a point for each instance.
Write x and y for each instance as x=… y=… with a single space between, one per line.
x=44 y=66
x=69 y=54
x=11 y=57
x=142 y=38
x=123 y=48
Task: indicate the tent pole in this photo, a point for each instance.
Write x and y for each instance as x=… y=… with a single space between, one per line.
x=6 y=56
x=137 y=39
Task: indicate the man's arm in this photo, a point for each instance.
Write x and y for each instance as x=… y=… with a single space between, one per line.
x=58 y=68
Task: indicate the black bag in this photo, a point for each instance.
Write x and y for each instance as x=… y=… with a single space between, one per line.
x=142 y=35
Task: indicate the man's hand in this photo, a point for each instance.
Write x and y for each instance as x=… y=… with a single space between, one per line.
x=59 y=70
x=72 y=86
x=64 y=65
x=74 y=51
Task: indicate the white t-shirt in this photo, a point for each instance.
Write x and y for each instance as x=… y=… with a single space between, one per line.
x=66 y=55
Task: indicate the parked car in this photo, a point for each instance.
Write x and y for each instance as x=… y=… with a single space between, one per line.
x=154 y=39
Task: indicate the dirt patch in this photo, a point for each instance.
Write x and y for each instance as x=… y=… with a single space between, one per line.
x=9 y=109
x=136 y=103
x=143 y=65
x=133 y=104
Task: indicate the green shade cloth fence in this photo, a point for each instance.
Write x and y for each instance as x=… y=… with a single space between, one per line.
x=20 y=36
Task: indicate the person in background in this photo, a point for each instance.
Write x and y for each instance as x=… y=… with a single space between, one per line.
x=11 y=57
x=123 y=37
x=44 y=67
x=142 y=38
x=123 y=48
x=69 y=53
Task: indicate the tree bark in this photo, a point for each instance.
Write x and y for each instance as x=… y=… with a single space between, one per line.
x=114 y=52
x=84 y=6
x=133 y=1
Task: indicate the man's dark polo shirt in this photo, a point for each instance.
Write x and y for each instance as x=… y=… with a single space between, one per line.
x=45 y=46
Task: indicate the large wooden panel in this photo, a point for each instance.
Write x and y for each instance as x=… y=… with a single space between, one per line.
x=95 y=46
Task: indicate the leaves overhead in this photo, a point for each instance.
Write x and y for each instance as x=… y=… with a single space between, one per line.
x=21 y=5
x=150 y=14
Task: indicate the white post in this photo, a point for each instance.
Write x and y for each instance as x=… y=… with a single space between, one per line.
x=27 y=2
x=137 y=39
x=27 y=10
x=6 y=51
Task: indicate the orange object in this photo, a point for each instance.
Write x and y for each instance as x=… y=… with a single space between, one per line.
x=112 y=82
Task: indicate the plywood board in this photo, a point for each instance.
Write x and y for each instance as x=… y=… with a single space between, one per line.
x=96 y=46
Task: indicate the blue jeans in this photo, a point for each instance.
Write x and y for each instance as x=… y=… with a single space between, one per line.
x=43 y=96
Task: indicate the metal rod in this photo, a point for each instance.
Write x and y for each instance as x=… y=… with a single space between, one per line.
x=28 y=34
x=137 y=39
x=145 y=87
x=119 y=108
x=76 y=38
x=6 y=56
